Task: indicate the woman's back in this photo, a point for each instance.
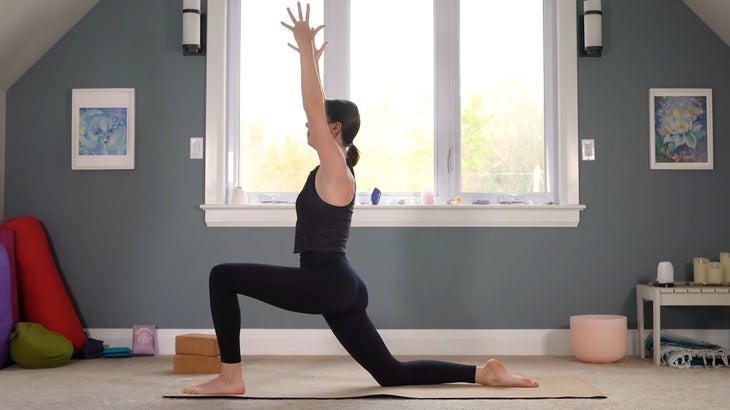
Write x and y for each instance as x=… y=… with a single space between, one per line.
x=321 y=227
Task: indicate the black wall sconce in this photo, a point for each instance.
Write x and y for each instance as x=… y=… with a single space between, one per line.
x=193 y=36
x=591 y=29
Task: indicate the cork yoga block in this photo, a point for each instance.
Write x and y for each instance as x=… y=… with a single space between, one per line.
x=195 y=364
x=197 y=344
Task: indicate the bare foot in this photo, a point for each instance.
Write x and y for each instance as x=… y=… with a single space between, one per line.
x=229 y=381
x=493 y=373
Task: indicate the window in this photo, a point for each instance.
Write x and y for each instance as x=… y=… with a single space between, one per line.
x=467 y=126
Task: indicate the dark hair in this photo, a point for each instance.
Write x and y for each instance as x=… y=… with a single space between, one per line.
x=346 y=113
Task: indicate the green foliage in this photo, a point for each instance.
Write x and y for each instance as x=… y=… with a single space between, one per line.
x=275 y=165
x=502 y=140
x=502 y=146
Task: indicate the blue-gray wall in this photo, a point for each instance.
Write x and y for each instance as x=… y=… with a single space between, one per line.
x=133 y=248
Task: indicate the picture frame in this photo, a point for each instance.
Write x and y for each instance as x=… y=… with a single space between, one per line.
x=102 y=128
x=680 y=123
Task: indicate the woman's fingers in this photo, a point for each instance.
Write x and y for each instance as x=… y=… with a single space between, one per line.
x=318 y=52
x=301 y=19
x=297 y=23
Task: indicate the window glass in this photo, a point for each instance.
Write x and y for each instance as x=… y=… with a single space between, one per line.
x=273 y=151
x=391 y=81
x=502 y=97
x=495 y=144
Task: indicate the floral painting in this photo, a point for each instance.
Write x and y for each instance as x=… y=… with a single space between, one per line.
x=102 y=128
x=681 y=136
x=103 y=131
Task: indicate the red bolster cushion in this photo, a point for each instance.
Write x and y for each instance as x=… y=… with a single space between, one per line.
x=41 y=292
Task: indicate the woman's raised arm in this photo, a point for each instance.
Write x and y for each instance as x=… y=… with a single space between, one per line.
x=335 y=183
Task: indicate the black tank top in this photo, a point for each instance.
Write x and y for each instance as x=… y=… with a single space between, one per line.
x=321 y=227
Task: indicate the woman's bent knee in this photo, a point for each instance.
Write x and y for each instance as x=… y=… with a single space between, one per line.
x=217 y=274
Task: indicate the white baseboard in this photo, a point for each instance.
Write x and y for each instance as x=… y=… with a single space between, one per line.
x=442 y=342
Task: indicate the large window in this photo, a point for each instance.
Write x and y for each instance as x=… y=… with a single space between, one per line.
x=269 y=154
x=468 y=99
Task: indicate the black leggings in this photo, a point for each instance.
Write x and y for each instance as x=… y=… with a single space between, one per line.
x=325 y=284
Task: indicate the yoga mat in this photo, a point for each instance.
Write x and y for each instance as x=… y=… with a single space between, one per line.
x=326 y=380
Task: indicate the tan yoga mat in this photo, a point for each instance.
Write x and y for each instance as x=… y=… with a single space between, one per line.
x=555 y=387
x=331 y=379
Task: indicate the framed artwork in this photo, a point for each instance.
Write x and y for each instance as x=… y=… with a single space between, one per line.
x=102 y=128
x=680 y=120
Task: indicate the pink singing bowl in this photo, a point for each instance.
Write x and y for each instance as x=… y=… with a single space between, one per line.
x=598 y=338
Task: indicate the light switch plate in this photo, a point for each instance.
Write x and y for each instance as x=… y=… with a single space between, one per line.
x=196 y=148
x=588 y=150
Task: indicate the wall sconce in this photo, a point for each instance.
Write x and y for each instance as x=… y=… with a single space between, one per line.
x=193 y=38
x=591 y=29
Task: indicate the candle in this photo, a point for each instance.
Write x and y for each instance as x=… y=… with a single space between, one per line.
x=427 y=197
x=238 y=197
x=714 y=272
x=725 y=260
x=700 y=269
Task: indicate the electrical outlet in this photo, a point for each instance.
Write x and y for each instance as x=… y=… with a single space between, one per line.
x=588 y=150
x=196 y=148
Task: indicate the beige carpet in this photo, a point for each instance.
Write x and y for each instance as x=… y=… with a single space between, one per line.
x=327 y=380
x=140 y=382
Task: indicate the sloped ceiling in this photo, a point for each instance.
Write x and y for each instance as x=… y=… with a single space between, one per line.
x=715 y=13
x=28 y=28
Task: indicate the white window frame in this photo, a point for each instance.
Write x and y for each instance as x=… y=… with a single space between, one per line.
x=566 y=213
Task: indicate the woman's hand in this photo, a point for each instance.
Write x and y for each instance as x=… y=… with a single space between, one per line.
x=318 y=51
x=303 y=33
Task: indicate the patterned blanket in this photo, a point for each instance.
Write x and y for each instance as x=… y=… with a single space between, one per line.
x=684 y=352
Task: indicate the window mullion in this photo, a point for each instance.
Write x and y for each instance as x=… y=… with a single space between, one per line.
x=337 y=55
x=215 y=104
x=551 y=101
x=447 y=104
x=233 y=101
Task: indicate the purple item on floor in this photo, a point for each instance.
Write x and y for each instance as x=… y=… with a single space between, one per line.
x=6 y=307
x=7 y=239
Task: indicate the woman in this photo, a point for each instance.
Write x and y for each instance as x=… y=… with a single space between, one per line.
x=325 y=283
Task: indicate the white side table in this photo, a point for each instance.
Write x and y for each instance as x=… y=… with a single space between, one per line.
x=679 y=295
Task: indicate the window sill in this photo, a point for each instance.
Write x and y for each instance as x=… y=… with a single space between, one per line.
x=546 y=216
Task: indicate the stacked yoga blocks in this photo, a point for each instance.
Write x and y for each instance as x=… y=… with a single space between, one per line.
x=196 y=353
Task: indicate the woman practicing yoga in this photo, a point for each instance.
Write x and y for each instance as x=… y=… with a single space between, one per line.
x=325 y=283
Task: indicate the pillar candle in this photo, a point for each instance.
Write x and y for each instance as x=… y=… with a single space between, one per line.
x=714 y=272
x=700 y=269
x=427 y=197
x=238 y=197
x=725 y=260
